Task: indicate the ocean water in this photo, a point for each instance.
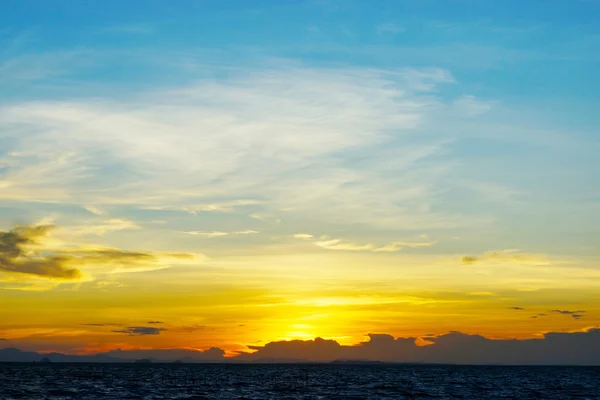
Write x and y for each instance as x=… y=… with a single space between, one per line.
x=299 y=381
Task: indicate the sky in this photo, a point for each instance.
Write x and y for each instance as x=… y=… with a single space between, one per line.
x=197 y=174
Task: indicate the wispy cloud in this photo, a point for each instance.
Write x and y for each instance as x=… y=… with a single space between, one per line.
x=513 y=256
x=469 y=106
x=226 y=206
x=207 y=234
x=106 y=226
x=397 y=246
x=219 y=233
x=156 y=138
x=94 y=210
x=338 y=244
x=305 y=236
x=136 y=29
x=389 y=28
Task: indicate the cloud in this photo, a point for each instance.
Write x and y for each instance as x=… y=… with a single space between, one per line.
x=135 y=29
x=265 y=217
x=516 y=308
x=305 y=236
x=578 y=314
x=566 y=312
x=154 y=138
x=109 y=225
x=207 y=234
x=555 y=348
x=512 y=256
x=140 y=330
x=15 y=258
x=389 y=28
x=552 y=348
x=538 y=316
x=469 y=259
x=313 y=29
x=155 y=322
x=219 y=233
x=193 y=328
x=227 y=206
x=94 y=210
x=339 y=244
x=397 y=246
x=470 y=106
x=21 y=252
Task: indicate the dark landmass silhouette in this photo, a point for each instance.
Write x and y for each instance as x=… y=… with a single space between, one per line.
x=554 y=348
x=355 y=362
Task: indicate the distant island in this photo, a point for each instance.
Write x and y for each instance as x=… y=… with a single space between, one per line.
x=369 y=362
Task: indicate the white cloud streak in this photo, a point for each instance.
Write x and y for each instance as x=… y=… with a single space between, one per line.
x=338 y=244
x=219 y=233
x=335 y=145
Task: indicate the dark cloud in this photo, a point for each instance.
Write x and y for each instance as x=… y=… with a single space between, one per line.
x=566 y=312
x=380 y=347
x=578 y=314
x=554 y=348
x=104 y=255
x=469 y=259
x=1 y=339
x=506 y=256
x=577 y=348
x=516 y=308
x=140 y=330
x=15 y=258
x=17 y=255
x=155 y=322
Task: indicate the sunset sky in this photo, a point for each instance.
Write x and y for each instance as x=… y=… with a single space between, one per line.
x=230 y=173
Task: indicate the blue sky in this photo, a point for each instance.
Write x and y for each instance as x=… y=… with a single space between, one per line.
x=274 y=143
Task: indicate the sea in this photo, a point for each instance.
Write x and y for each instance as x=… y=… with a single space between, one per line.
x=294 y=381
